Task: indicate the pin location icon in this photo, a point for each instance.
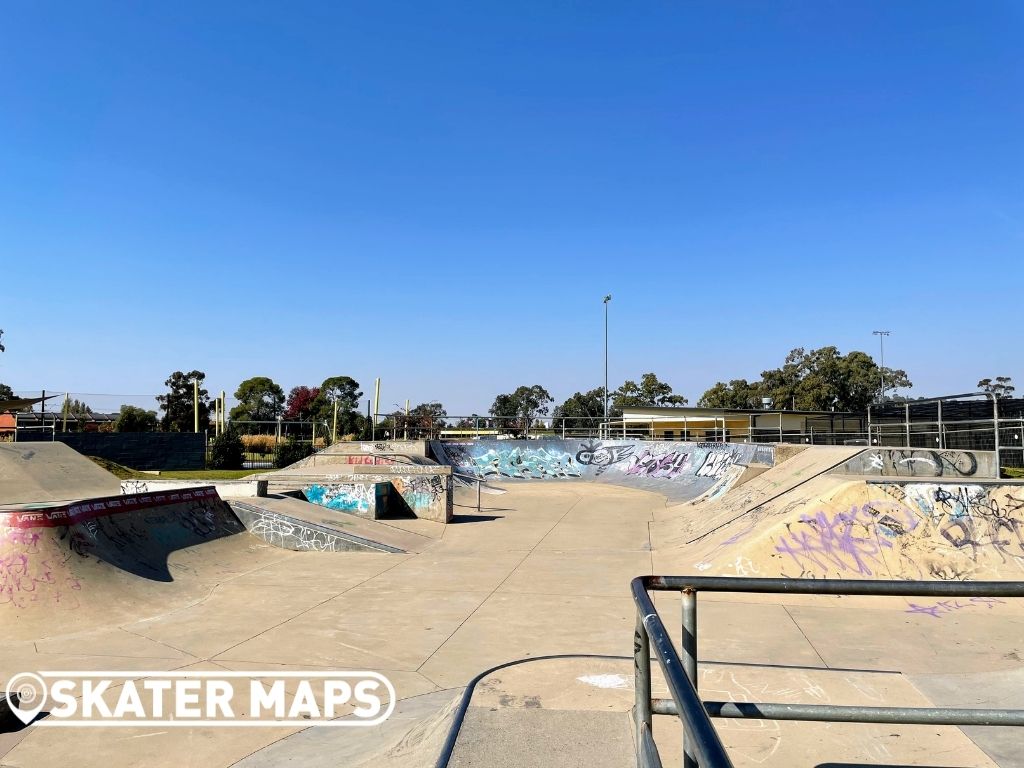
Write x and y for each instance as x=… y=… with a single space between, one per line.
x=26 y=696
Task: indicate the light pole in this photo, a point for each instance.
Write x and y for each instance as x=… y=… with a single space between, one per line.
x=607 y=299
x=881 y=367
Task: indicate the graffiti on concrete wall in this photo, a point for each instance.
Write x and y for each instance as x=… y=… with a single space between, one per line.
x=529 y=462
x=668 y=465
x=922 y=530
x=419 y=491
x=288 y=533
x=910 y=462
x=601 y=455
x=592 y=459
x=344 y=497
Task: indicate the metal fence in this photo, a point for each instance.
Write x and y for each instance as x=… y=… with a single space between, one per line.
x=701 y=743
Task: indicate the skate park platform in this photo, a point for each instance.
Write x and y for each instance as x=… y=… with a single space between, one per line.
x=541 y=570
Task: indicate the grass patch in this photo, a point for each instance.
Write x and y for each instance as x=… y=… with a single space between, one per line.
x=1013 y=472
x=121 y=471
x=207 y=474
x=126 y=473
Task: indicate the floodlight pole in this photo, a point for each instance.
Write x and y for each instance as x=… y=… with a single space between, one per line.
x=607 y=299
x=881 y=367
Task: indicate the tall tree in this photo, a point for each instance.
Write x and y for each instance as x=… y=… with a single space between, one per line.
x=583 y=410
x=178 y=403
x=300 y=402
x=134 y=419
x=1001 y=386
x=514 y=412
x=738 y=393
x=259 y=399
x=6 y=393
x=343 y=390
x=425 y=420
x=816 y=380
x=648 y=393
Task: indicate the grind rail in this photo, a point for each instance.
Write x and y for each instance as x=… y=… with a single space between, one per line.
x=701 y=744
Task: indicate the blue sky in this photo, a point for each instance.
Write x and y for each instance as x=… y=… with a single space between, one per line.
x=440 y=194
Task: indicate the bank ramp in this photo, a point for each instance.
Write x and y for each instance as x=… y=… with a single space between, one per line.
x=46 y=472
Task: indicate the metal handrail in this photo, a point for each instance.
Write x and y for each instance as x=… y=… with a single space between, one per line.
x=701 y=744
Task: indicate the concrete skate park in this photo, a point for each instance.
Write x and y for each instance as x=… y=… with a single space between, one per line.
x=490 y=581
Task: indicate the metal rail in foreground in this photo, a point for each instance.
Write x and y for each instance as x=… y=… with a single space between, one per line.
x=701 y=744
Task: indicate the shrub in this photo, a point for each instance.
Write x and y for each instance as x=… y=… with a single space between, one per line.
x=226 y=451
x=291 y=451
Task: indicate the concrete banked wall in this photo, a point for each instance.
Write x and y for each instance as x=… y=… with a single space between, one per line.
x=922 y=463
x=679 y=471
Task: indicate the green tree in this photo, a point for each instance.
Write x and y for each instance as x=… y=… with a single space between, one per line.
x=514 y=412
x=259 y=399
x=178 y=403
x=1001 y=386
x=344 y=391
x=816 y=380
x=6 y=393
x=738 y=393
x=226 y=451
x=2 y=347
x=134 y=419
x=423 y=421
x=583 y=410
x=648 y=393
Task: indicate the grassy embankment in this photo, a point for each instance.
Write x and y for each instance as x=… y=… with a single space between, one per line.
x=126 y=473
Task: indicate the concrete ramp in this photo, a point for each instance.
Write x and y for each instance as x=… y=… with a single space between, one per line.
x=682 y=524
x=94 y=563
x=291 y=523
x=835 y=528
x=44 y=472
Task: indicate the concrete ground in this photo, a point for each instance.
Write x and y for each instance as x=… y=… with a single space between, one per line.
x=543 y=570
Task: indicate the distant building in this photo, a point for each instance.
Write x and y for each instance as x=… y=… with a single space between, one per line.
x=742 y=425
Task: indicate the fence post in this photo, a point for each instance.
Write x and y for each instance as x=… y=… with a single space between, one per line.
x=689 y=647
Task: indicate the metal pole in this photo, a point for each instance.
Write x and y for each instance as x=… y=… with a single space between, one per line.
x=641 y=680
x=881 y=366
x=606 y=300
x=334 y=428
x=195 y=402
x=942 y=437
x=689 y=648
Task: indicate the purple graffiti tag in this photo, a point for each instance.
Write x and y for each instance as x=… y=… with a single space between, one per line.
x=834 y=543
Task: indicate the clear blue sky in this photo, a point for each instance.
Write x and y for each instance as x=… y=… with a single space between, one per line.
x=440 y=194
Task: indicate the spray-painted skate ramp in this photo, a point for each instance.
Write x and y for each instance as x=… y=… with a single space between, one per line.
x=833 y=527
x=678 y=471
x=69 y=567
x=43 y=472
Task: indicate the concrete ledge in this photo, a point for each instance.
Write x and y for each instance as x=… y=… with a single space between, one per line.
x=226 y=489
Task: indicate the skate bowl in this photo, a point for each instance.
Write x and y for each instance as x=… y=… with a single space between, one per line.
x=679 y=471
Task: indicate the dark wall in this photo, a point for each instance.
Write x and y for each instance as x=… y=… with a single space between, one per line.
x=137 y=450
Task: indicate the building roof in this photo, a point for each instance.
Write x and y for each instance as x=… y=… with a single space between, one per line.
x=687 y=411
